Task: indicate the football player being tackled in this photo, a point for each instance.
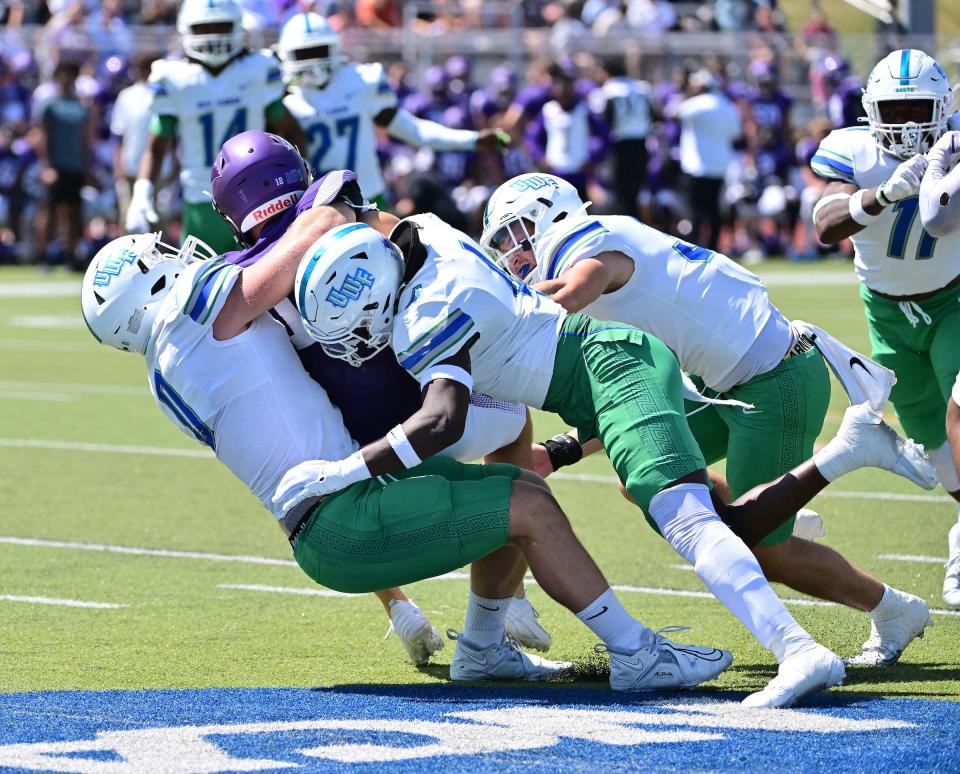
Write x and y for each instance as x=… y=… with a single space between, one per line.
x=717 y=318
x=909 y=276
x=457 y=322
x=259 y=210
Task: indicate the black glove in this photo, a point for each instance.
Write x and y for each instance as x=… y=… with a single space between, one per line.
x=563 y=450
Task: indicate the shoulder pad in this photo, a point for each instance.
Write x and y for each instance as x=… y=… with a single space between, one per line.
x=374 y=76
x=834 y=157
x=564 y=242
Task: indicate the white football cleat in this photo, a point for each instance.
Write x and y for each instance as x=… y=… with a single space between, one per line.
x=812 y=669
x=414 y=631
x=524 y=626
x=665 y=666
x=808 y=525
x=502 y=661
x=951 y=581
x=889 y=637
x=867 y=441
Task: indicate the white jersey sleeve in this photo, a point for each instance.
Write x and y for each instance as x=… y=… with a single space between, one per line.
x=164 y=89
x=894 y=255
x=379 y=94
x=956 y=391
x=460 y=297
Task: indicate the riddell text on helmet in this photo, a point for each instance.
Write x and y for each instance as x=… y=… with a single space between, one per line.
x=272 y=207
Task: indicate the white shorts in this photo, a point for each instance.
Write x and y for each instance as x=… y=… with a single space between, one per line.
x=491 y=425
x=956 y=391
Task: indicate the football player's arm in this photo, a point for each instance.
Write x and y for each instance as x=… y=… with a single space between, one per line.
x=280 y=121
x=438 y=424
x=940 y=190
x=404 y=126
x=580 y=285
x=266 y=283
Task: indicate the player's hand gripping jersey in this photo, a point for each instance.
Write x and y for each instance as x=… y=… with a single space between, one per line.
x=209 y=109
x=893 y=255
x=709 y=310
x=338 y=122
x=459 y=296
x=247 y=398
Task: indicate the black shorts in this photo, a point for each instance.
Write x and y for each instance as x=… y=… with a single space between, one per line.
x=67 y=187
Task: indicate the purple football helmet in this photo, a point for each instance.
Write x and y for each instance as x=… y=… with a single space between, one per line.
x=255 y=176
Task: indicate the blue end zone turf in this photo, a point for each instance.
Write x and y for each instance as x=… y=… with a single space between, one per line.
x=447 y=728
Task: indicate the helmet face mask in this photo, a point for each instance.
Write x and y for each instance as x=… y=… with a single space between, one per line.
x=309 y=51
x=906 y=100
x=518 y=214
x=346 y=291
x=125 y=284
x=211 y=31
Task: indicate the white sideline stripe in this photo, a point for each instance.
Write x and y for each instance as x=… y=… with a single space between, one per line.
x=61 y=602
x=595 y=478
x=86 y=389
x=913 y=558
x=47 y=321
x=43 y=396
x=285 y=590
x=169 y=451
x=48 y=346
x=39 y=289
x=163 y=552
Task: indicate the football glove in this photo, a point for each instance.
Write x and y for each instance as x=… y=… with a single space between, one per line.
x=318 y=478
x=904 y=182
x=141 y=214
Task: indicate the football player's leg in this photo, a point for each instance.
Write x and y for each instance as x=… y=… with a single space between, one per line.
x=951 y=582
x=204 y=223
x=641 y=421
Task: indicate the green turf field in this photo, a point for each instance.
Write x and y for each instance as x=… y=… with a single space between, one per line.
x=88 y=461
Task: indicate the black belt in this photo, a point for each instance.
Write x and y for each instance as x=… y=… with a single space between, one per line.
x=295 y=521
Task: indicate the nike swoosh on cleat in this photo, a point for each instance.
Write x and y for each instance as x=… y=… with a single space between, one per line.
x=597 y=615
x=855 y=361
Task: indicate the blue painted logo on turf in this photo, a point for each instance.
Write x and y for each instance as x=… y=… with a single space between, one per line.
x=351 y=288
x=448 y=728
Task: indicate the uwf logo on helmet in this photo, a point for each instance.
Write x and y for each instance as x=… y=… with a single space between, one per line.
x=351 y=288
x=113 y=266
x=533 y=183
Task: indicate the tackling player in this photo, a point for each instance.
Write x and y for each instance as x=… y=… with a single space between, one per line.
x=259 y=210
x=340 y=106
x=218 y=89
x=909 y=278
x=457 y=322
x=718 y=320
x=222 y=370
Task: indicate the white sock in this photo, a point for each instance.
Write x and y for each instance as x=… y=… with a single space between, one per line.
x=619 y=631
x=888 y=606
x=941 y=459
x=835 y=459
x=485 y=619
x=689 y=523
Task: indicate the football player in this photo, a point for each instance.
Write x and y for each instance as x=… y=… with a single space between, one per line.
x=909 y=278
x=219 y=88
x=258 y=210
x=340 y=106
x=717 y=318
x=457 y=322
x=222 y=370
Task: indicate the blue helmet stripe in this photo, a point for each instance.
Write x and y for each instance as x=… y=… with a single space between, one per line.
x=306 y=22
x=905 y=66
x=302 y=295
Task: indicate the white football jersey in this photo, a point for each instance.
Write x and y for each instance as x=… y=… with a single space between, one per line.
x=709 y=310
x=247 y=398
x=338 y=122
x=210 y=109
x=893 y=255
x=459 y=295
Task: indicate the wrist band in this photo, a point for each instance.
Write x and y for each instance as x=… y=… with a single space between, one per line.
x=882 y=197
x=354 y=468
x=857 y=212
x=402 y=448
x=563 y=450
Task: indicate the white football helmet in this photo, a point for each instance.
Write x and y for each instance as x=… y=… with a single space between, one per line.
x=908 y=74
x=346 y=290
x=521 y=210
x=211 y=48
x=309 y=50
x=125 y=283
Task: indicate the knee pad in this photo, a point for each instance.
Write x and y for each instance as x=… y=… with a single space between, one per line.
x=942 y=461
